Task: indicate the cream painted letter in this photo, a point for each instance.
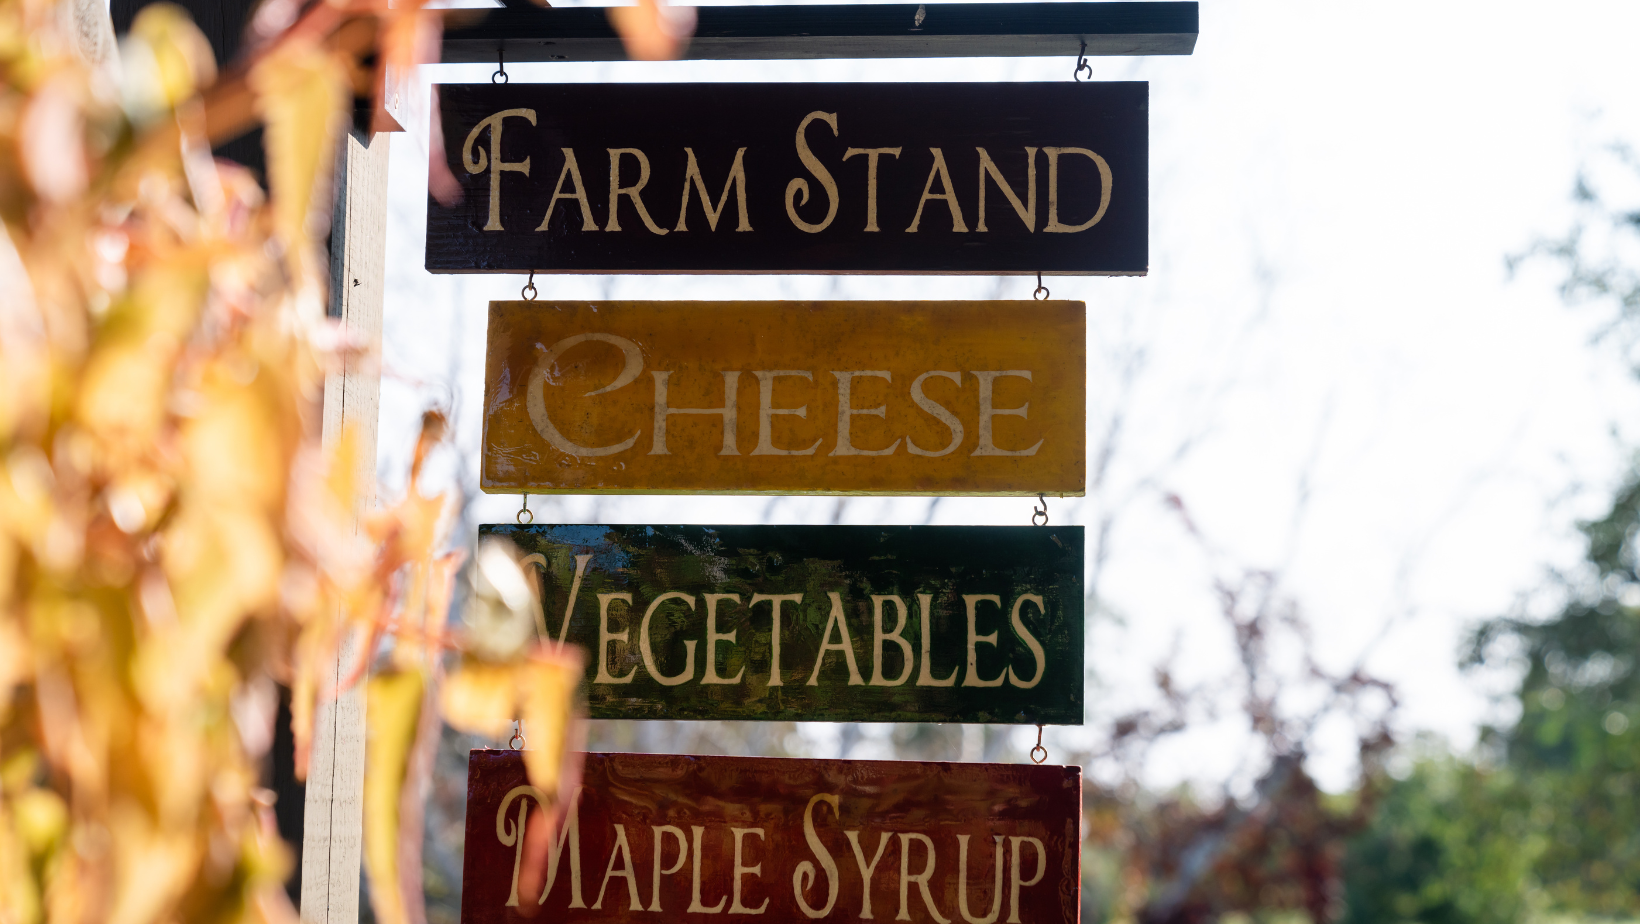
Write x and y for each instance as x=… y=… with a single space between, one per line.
x=1054 y=224
x=804 y=876
x=766 y=412
x=648 y=652
x=797 y=191
x=493 y=161
x=605 y=637
x=846 y=412
x=987 y=443
x=730 y=412
x=972 y=679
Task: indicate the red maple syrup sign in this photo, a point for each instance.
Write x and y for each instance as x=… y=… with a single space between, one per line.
x=652 y=838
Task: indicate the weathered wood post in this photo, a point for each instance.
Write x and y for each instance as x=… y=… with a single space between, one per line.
x=332 y=820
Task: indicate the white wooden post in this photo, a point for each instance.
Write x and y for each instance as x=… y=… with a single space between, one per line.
x=332 y=822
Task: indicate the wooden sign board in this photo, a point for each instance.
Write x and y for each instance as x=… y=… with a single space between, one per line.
x=920 y=398
x=959 y=178
x=825 y=623
x=647 y=836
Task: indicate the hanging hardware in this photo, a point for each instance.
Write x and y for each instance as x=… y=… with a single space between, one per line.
x=1041 y=511
x=517 y=741
x=1041 y=292
x=1082 y=64
x=500 y=75
x=528 y=293
x=525 y=510
x=1039 y=748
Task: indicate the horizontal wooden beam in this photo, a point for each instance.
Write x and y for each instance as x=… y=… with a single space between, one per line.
x=523 y=32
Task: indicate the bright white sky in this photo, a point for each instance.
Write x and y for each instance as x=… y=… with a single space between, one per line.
x=1334 y=188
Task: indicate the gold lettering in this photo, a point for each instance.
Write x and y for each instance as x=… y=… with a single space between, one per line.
x=660 y=847
x=949 y=196
x=846 y=412
x=737 y=179
x=605 y=637
x=800 y=187
x=921 y=879
x=805 y=876
x=623 y=850
x=1015 y=881
x=512 y=835
x=879 y=637
x=735 y=907
x=871 y=178
x=925 y=675
x=866 y=869
x=714 y=638
x=633 y=192
x=987 y=443
x=573 y=172
x=648 y=652
x=1054 y=224
x=493 y=161
x=774 y=629
x=844 y=644
x=1030 y=641
x=695 y=906
x=975 y=640
x=1027 y=213
x=962 y=882
x=938 y=412
x=535 y=399
x=729 y=411
x=766 y=412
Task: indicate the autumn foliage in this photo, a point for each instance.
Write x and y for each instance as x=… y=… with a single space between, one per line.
x=175 y=536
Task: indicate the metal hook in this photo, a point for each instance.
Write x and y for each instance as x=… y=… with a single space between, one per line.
x=1041 y=292
x=516 y=743
x=1035 y=759
x=500 y=65
x=1041 y=511
x=1082 y=64
x=528 y=293
x=523 y=510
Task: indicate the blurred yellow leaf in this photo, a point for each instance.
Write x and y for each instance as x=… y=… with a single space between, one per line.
x=165 y=60
x=480 y=698
x=548 y=682
x=302 y=92
x=392 y=714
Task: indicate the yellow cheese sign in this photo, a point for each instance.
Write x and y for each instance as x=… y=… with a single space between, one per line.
x=919 y=398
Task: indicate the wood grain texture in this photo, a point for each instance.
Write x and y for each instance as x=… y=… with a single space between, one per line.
x=871 y=178
x=333 y=818
x=528 y=33
x=608 y=397
x=653 y=835
x=679 y=623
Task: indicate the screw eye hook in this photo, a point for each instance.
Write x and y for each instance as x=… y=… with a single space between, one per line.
x=1039 y=749
x=500 y=75
x=1041 y=511
x=525 y=511
x=528 y=293
x=1040 y=293
x=517 y=741
x=1082 y=64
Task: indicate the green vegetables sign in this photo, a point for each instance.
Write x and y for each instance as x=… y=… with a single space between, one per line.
x=818 y=623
